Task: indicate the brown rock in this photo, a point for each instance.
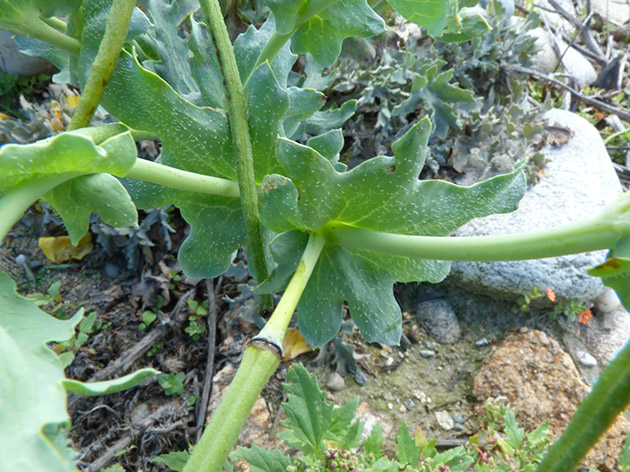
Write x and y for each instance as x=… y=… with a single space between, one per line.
x=541 y=382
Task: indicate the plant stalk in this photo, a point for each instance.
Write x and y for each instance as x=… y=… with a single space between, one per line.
x=16 y=201
x=600 y=232
x=55 y=23
x=242 y=142
x=257 y=366
x=40 y=29
x=104 y=62
x=160 y=174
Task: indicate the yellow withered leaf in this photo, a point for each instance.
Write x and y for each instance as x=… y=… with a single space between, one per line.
x=294 y=344
x=59 y=249
x=72 y=100
x=4 y=117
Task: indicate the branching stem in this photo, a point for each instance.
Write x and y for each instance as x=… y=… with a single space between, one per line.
x=600 y=232
x=104 y=62
x=242 y=142
x=160 y=174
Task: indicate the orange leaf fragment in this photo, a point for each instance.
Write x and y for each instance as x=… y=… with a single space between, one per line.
x=294 y=344
x=551 y=295
x=585 y=316
x=59 y=249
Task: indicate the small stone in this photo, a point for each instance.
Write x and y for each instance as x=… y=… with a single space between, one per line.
x=335 y=382
x=389 y=362
x=439 y=320
x=607 y=301
x=402 y=409
x=360 y=378
x=444 y=420
x=420 y=396
x=409 y=404
x=390 y=406
x=427 y=353
x=586 y=359
x=457 y=418
x=481 y=342
x=459 y=428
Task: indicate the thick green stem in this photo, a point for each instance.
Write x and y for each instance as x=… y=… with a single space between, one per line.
x=104 y=62
x=277 y=325
x=183 y=180
x=16 y=201
x=256 y=368
x=242 y=142
x=610 y=397
x=600 y=232
x=39 y=29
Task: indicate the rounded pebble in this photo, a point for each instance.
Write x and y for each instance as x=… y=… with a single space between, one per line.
x=335 y=382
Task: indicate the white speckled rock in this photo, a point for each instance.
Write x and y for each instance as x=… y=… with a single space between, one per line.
x=617 y=11
x=581 y=181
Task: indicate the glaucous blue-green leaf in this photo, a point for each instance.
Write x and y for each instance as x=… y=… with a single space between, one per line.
x=108 y=386
x=471 y=25
x=320 y=26
x=32 y=396
x=304 y=103
x=166 y=17
x=382 y=194
x=102 y=194
x=434 y=15
x=615 y=272
x=323 y=121
x=262 y=460
x=433 y=88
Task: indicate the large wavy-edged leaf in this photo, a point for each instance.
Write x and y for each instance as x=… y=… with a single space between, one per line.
x=434 y=15
x=320 y=26
x=433 y=88
x=32 y=396
x=382 y=194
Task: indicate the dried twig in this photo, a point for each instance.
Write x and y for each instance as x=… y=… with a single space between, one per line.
x=623 y=114
x=587 y=37
x=207 y=383
x=126 y=360
x=165 y=411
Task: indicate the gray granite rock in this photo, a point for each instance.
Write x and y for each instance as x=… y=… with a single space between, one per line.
x=580 y=181
x=439 y=320
x=616 y=11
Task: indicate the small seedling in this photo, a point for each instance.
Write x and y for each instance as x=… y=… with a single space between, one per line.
x=173 y=384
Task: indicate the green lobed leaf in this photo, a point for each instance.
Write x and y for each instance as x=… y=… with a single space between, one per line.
x=382 y=194
x=309 y=415
x=320 y=26
x=374 y=442
x=262 y=460
x=108 y=386
x=408 y=452
x=514 y=434
x=205 y=66
x=341 y=419
x=434 y=15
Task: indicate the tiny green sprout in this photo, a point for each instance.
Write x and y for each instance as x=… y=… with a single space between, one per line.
x=172 y=384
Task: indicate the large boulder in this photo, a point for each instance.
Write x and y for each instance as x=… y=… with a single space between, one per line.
x=579 y=181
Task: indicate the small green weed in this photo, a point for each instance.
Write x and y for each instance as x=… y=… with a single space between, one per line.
x=173 y=384
x=197 y=311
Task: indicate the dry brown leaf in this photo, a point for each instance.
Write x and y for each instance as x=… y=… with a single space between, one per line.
x=59 y=249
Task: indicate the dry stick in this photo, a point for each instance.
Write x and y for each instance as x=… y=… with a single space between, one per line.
x=586 y=32
x=586 y=99
x=126 y=360
x=137 y=429
x=207 y=383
